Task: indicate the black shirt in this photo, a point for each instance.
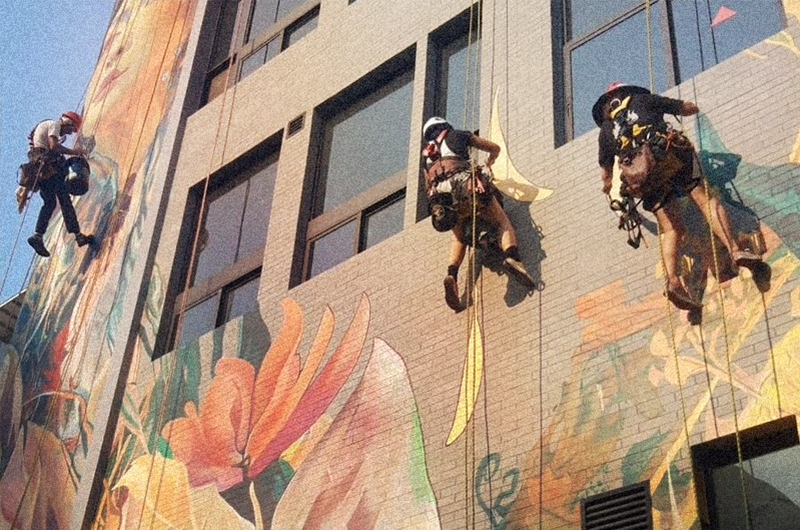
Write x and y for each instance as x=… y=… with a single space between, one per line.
x=641 y=110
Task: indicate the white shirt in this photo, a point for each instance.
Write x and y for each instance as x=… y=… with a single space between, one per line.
x=44 y=130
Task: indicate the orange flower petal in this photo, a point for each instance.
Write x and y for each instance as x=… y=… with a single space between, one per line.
x=275 y=418
x=319 y=395
x=282 y=349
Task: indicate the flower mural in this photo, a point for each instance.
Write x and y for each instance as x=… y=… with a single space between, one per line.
x=249 y=419
x=264 y=421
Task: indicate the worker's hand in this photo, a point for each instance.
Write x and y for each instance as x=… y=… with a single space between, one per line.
x=689 y=109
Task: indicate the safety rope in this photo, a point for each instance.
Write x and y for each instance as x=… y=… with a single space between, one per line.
x=52 y=403
x=187 y=280
x=710 y=220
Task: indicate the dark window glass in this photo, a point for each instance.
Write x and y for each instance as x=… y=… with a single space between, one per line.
x=268 y=12
x=301 y=29
x=262 y=56
x=705 y=37
x=222 y=39
x=235 y=224
x=773 y=492
x=368 y=143
x=597 y=63
x=255 y=221
x=459 y=83
x=332 y=248
x=219 y=236
x=242 y=299
x=197 y=320
x=216 y=85
x=608 y=43
x=587 y=15
x=264 y=15
x=384 y=223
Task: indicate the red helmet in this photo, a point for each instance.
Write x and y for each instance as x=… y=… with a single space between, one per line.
x=74 y=118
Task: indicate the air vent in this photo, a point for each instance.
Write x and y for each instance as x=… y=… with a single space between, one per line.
x=295 y=125
x=626 y=508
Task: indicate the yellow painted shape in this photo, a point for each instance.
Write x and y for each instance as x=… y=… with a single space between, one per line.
x=506 y=177
x=471 y=378
x=622 y=106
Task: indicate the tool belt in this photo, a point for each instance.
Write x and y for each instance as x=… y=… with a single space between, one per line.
x=43 y=164
x=652 y=164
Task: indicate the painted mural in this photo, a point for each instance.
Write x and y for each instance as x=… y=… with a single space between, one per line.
x=243 y=430
x=633 y=349
x=68 y=332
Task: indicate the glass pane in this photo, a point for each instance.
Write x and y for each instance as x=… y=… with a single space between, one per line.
x=368 y=143
x=459 y=89
x=332 y=248
x=216 y=248
x=217 y=85
x=773 y=492
x=595 y=64
x=222 y=40
x=710 y=31
x=242 y=299
x=197 y=320
x=256 y=212
x=298 y=32
x=253 y=61
x=589 y=14
x=384 y=223
x=264 y=13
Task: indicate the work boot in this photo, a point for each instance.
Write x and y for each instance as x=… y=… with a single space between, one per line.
x=37 y=242
x=451 y=297
x=83 y=240
x=517 y=269
x=745 y=258
x=681 y=298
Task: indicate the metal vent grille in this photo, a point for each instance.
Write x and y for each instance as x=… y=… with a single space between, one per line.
x=626 y=508
x=295 y=125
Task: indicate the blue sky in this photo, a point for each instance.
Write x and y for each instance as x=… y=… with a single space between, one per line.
x=48 y=50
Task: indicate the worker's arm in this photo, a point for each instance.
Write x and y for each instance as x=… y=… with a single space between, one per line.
x=486 y=145
x=54 y=145
x=606 y=175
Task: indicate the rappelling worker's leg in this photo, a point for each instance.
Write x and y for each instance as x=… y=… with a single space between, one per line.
x=71 y=219
x=495 y=214
x=721 y=226
x=672 y=230
x=457 y=253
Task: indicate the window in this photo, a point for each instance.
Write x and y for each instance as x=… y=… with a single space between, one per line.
x=356 y=191
x=224 y=275
x=457 y=73
x=629 y=507
x=771 y=458
x=267 y=28
x=599 y=46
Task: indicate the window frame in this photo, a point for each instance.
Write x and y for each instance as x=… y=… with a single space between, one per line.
x=242 y=270
x=315 y=223
x=564 y=43
x=760 y=440
x=242 y=47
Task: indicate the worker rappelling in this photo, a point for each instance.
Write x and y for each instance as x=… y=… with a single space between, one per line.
x=55 y=178
x=451 y=182
x=658 y=165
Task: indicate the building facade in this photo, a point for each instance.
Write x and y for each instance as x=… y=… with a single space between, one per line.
x=260 y=339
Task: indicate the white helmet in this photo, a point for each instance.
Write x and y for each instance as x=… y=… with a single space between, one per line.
x=434 y=124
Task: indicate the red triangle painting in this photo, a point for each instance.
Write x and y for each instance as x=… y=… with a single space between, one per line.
x=724 y=14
